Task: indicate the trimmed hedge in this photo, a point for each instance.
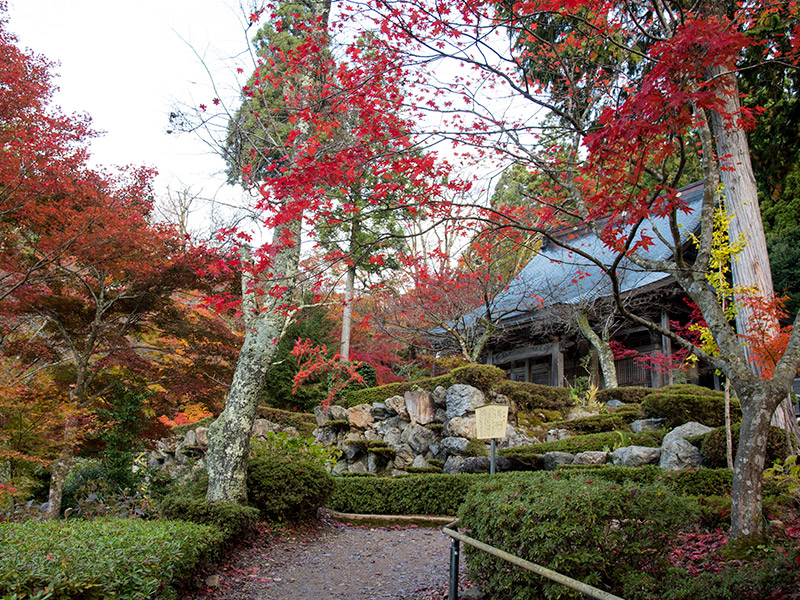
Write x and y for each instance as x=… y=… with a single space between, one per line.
x=596 y=531
x=715 y=451
x=102 y=558
x=592 y=441
x=430 y=494
x=483 y=377
x=679 y=404
x=596 y=423
x=233 y=520
x=487 y=378
x=628 y=395
x=305 y=423
x=287 y=490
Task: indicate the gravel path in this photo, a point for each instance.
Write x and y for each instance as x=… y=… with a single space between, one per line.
x=332 y=560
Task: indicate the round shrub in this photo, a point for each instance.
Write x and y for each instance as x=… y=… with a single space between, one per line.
x=233 y=520
x=628 y=395
x=714 y=448
x=592 y=530
x=596 y=423
x=476 y=447
x=679 y=404
x=283 y=490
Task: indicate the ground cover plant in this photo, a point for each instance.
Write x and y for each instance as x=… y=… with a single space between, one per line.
x=99 y=559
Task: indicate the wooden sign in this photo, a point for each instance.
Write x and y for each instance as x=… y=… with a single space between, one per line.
x=491 y=421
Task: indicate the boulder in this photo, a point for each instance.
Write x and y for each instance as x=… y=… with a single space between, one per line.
x=677 y=453
x=360 y=416
x=393 y=437
x=397 y=404
x=641 y=425
x=382 y=427
x=591 y=458
x=454 y=446
x=262 y=426
x=578 y=414
x=553 y=435
x=420 y=462
x=190 y=439
x=359 y=466
x=404 y=457
x=201 y=436
x=440 y=396
x=612 y=404
x=379 y=411
x=461 y=427
x=462 y=400
x=552 y=460
x=325 y=436
x=483 y=464
x=418 y=437
x=689 y=429
x=452 y=465
x=421 y=407
x=441 y=415
x=515 y=438
x=635 y=456
x=332 y=413
x=339 y=468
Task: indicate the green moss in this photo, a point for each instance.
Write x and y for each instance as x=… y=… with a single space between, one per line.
x=424 y=469
x=476 y=447
x=437 y=427
x=596 y=423
x=377 y=444
x=361 y=445
x=628 y=395
x=383 y=451
x=305 y=423
x=714 y=447
x=337 y=424
x=679 y=404
x=435 y=462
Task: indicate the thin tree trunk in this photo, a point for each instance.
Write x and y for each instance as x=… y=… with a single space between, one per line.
x=604 y=354
x=347 y=312
x=728 y=432
x=57 y=478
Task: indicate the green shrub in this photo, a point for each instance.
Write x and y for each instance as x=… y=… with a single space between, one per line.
x=523 y=458
x=628 y=395
x=418 y=470
x=596 y=423
x=305 y=423
x=629 y=412
x=102 y=558
x=435 y=462
x=714 y=448
x=679 y=404
x=337 y=424
x=433 y=494
x=587 y=528
x=593 y=441
x=233 y=520
x=476 y=447
x=294 y=449
x=529 y=397
x=285 y=490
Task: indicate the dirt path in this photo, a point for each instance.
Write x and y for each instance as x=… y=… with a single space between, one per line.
x=337 y=561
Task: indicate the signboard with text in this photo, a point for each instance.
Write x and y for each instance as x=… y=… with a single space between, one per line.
x=491 y=421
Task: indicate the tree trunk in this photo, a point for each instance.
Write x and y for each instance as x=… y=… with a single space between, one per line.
x=728 y=430
x=347 y=312
x=57 y=478
x=746 y=502
x=229 y=435
x=604 y=354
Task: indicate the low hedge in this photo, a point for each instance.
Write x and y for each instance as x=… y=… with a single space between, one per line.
x=102 y=558
x=628 y=395
x=483 y=377
x=715 y=452
x=286 y=490
x=305 y=423
x=593 y=441
x=596 y=423
x=679 y=404
x=532 y=396
x=429 y=494
x=596 y=531
x=233 y=520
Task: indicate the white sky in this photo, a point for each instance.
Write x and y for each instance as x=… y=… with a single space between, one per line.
x=126 y=63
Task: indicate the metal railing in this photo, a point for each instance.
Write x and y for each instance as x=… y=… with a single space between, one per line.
x=456 y=537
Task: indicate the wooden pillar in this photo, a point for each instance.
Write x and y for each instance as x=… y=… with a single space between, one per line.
x=557 y=364
x=666 y=346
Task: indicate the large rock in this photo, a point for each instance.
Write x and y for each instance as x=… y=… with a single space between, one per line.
x=689 y=429
x=420 y=462
x=332 y=413
x=393 y=437
x=677 y=453
x=339 y=468
x=379 y=411
x=420 y=406
x=614 y=403
x=454 y=446
x=418 y=437
x=483 y=464
x=515 y=439
x=452 y=465
x=397 y=404
x=465 y=427
x=359 y=466
x=190 y=439
x=262 y=426
x=201 y=436
x=552 y=460
x=325 y=436
x=462 y=400
x=383 y=427
x=591 y=458
x=641 y=425
x=635 y=456
x=554 y=435
x=440 y=396
x=404 y=457
x=360 y=416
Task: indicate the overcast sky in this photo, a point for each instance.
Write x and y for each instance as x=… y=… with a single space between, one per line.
x=127 y=63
